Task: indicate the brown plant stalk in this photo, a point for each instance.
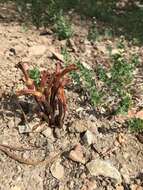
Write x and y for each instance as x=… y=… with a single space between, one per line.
x=49 y=94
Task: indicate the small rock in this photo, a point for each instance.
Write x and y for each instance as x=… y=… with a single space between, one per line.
x=126 y=155
x=115 y=51
x=102 y=48
x=104 y=183
x=136 y=187
x=71 y=184
x=56 y=54
x=11 y=123
x=80 y=126
x=86 y=65
x=48 y=133
x=125 y=173
x=83 y=176
x=16 y=188
x=92 y=185
x=79 y=109
x=57 y=170
x=139 y=114
x=13 y=51
x=63 y=43
x=17 y=120
x=41 y=141
x=14 y=122
x=101 y=167
x=93 y=118
x=87 y=42
x=138 y=181
x=49 y=54
x=63 y=187
x=50 y=146
x=37 y=50
x=77 y=154
x=89 y=185
x=119 y=187
x=72 y=45
x=110 y=187
x=89 y=138
x=38 y=128
x=57 y=133
x=121 y=139
x=24 y=129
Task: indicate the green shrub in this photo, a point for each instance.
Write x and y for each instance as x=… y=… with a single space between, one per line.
x=124 y=104
x=63 y=27
x=121 y=72
x=119 y=77
x=89 y=84
x=84 y=78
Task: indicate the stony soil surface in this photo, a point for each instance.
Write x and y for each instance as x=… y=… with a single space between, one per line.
x=95 y=153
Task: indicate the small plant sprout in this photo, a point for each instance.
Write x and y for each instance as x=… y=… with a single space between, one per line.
x=135 y=125
x=108 y=33
x=48 y=90
x=93 y=33
x=35 y=75
x=63 y=27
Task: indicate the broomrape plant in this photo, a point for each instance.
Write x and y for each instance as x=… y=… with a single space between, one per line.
x=48 y=90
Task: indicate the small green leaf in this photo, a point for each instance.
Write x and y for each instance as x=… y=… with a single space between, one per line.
x=35 y=75
x=135 y=125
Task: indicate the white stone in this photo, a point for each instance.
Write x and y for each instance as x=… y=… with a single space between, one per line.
x=100 y=167
x=48 y=133
x=81 y=126
x=57 y=170
x=24 y=129
x=77 y=154
x=88 y=138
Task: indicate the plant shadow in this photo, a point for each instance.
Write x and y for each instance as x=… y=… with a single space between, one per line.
x=11 y=108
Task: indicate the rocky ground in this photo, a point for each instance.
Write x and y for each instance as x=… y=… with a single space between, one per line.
x=94 y=153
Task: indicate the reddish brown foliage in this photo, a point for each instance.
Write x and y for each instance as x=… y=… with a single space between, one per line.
x=49 y=94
